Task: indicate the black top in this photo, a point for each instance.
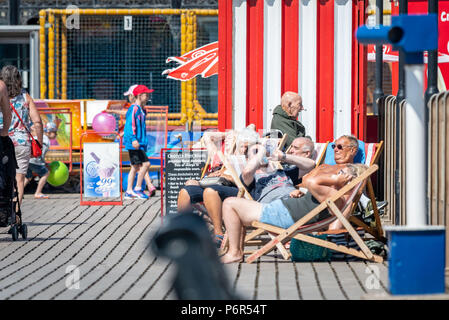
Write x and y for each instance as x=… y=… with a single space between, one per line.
x=299 y=207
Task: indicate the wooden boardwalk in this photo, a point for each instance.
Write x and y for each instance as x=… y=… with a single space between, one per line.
x=107 y=249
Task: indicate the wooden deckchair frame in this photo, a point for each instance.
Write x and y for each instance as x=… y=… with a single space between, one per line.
x=284 y=235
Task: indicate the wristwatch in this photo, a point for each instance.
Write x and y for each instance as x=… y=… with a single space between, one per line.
x=284 y=156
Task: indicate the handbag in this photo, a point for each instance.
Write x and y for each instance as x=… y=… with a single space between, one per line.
x=210 y=181
x=36 y=147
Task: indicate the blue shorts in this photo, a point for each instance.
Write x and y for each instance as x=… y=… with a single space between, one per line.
x=276 y=214
x=39 y=170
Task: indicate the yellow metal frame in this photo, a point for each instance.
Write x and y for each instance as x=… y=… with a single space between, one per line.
x=57 y=56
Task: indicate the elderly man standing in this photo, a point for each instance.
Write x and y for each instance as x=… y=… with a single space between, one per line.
x=285 y=117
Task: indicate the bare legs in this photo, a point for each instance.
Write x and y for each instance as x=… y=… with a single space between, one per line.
x=184 y=204
x=237 y=213
x=131 y=175
x=40 y=185
x=212 y=202
x=20 y=178
x=149 y=183
x=143 y=170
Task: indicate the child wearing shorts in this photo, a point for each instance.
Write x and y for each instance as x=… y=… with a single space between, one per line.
x=37 y=165
x=135 y=141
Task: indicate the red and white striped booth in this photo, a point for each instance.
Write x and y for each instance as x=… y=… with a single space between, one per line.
x=268 y=47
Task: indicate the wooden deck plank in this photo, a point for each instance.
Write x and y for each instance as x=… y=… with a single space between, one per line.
x=370 y=276
x=288 y=289
x=307 y=282
x=350 y=285
x=267 y=284
x=331 y=288
x=247 y=281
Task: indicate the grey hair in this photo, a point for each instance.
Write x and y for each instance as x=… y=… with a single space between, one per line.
x=353 y=141
x=308 y=145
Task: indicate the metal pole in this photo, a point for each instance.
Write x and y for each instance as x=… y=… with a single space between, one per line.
x=403 y=9
x=432 y=63
x=415 y=147
x=432 y=88
x=378 y=91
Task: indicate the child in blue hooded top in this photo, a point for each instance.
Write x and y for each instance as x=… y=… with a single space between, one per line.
x=135 y=141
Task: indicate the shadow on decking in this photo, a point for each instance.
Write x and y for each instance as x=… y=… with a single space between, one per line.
x=34 y=224
x=8 y=239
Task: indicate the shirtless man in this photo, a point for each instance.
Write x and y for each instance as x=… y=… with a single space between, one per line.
x=322 y=182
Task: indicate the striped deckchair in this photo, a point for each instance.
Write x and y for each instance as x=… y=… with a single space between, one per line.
x=300 y=228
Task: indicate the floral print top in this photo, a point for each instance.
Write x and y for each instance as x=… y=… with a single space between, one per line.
x=17 y=132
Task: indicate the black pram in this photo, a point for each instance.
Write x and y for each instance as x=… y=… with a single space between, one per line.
x=10 y=214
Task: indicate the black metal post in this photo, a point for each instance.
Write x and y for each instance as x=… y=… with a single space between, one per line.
x=378 y=90
x=403 y=9
x=432 y=63
x=14 y=12
x=432 y=88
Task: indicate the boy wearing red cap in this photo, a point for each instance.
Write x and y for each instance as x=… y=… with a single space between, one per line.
x=135 y=141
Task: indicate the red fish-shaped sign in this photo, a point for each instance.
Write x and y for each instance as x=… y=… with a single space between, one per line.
x=201 y=61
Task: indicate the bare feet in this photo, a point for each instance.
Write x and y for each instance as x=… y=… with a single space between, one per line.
x=229 y=258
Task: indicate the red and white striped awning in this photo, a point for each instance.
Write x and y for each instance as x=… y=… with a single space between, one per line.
x=268 y=47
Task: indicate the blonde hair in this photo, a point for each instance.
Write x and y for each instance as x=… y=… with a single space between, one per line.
x=357 y=168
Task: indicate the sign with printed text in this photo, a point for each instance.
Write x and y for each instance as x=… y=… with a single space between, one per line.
x=101 y=170
x=181 y=166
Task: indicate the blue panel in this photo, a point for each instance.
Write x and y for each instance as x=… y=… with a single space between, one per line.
x=416 y=262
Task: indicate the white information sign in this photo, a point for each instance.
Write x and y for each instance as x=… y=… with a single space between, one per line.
x=101 y=170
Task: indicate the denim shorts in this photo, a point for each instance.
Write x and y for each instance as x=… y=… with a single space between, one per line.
x=276 y=214
x=39 y=170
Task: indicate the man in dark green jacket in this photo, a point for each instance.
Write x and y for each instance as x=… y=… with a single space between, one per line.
x=285 y=117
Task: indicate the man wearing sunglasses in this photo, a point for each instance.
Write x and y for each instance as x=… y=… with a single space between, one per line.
x=345 y=149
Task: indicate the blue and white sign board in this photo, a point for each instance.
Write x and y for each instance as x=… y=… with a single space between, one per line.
x=101 y=170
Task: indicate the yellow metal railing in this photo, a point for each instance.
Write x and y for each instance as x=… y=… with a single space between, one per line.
x=54 y=73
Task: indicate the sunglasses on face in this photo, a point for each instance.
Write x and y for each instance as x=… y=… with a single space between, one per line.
x=340 y=146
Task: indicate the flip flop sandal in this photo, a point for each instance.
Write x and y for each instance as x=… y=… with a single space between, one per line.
x=41 y=197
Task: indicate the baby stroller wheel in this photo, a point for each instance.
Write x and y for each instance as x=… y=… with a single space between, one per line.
x=24 y=231
x=14 y=233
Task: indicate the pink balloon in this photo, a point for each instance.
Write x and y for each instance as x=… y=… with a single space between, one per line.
x=104 y=122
